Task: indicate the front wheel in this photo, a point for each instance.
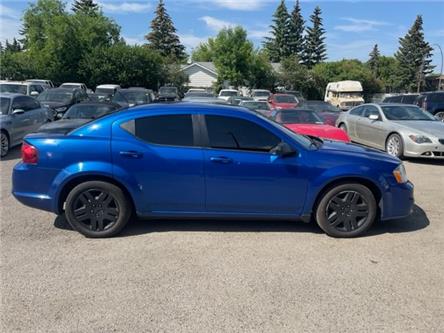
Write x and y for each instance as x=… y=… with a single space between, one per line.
x=97 y=209
x=346 y=210
x=4 y=141
x=394 y=146
x=440 y=115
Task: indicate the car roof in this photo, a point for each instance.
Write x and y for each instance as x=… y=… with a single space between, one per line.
x=108 y=86
x=133 y=89
x=10 y=95
x=390 y=104
x=73 y=83
x=63 y=89
x=24 y=83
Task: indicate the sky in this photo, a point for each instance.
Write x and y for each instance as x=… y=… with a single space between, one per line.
x=352 y=26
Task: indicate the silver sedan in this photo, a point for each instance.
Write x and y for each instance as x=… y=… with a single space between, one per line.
x=399 y=129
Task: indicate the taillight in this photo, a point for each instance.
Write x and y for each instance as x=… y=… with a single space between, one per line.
x=29 y=154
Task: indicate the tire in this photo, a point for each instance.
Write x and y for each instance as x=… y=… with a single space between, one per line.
x=343 y=127
x=440 y=115
x=346 y=210
x=394 y=145
x=97 y=209
x=5 y=145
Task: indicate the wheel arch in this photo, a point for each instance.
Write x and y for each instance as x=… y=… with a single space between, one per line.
x=85 y=178
x=4 y=130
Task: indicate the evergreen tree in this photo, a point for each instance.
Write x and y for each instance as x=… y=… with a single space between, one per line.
x=88 y=7
x=296 y=30
x=373 y=61
x=277 y=46
x=163 y=37
x=13 y=47
x=414 y=57
x=314 y=45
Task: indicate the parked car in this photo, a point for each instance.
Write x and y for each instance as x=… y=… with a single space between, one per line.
x=225 y=94
x=46 y=83
x=283 y=101
x=400 y=130
x=168 y=94
x=307 y=122
x=196 y=90
x=108 y=89
x=432 y=102
x=131 y=97
x=75 y=85
x=402 y=98
x=295 y=93
x=260 y=94
x=344 y=94
x=19 y=116
x=198 y=96
x=60 y=99
x=233 y=164
x=235 y=100
x=326 y=111
x=259 y=106
x=78 y=115
x=18 y=87
x=150 y=92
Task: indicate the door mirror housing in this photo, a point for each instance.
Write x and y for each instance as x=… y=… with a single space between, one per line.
x=34 y=93
x=373 y=117
x=283 y=149
x=18 y=111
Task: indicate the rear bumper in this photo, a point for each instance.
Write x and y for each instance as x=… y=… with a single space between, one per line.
x=35 y=200
x=398 y=202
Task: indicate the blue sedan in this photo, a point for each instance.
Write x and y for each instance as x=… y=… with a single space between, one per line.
x=190 y=160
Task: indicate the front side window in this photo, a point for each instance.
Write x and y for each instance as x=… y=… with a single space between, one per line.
x=4 y=105
x=170 y=130
x=241 y=134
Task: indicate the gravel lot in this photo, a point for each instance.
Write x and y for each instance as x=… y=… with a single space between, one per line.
x=224 y=276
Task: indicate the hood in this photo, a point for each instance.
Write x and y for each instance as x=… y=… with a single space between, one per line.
x=435 y=128
x=351 y=149
x=53 y=105
x=62 y=126
x=322 y=131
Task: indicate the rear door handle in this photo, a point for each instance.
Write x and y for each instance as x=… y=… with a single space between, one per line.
x=221 y=160
x=131 y=154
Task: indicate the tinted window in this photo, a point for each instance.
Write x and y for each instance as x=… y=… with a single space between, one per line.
x=171 y=130
x=357 y=111
x=20 y=103
x=235 y=133
x=32 y=104
x=368 y=110
x=13 y=88
x=436 y=97
x=4 y=105
x=298 y=117
x=405 y=113
x=285 y=99
x=409 y=99
x=118 y=98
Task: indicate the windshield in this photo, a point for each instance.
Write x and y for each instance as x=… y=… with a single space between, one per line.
x=55 y=96
x=256 y=105
x=104 y=91
x=88 y=111
x=136 y=97
x=13 y=88
x=261 y=93
x=399 y=112
x=228 y=93
x=321 y=107
x=350 y=94
x=70 y=86
x=168 y=90
x=298 y=117
x=285 y=99
x=4 y=105
x=199 y=94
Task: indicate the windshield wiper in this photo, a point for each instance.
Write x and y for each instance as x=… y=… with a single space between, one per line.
x=317 y=142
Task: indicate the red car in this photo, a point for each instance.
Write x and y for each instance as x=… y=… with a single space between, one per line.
x=283 y=101
x=307 y=122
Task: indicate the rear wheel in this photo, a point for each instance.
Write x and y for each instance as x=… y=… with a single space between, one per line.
x=394 y=145
x=4 y=141
x=97 y=209
x=346 y=210
x=343 y=127
x=440 y=115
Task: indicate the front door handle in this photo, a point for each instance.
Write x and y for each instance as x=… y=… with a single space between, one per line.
x=221 y=160
x=131 y=154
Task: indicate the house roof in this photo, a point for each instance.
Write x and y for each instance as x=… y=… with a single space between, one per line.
x=203 y=64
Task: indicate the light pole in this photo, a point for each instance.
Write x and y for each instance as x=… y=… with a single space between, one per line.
x=442 y=59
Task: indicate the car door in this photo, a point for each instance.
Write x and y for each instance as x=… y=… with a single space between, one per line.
x=243 y=176
x=353 y=118
x=372 y=131
x=21 y=122
x=158 y=155
x=38 y=115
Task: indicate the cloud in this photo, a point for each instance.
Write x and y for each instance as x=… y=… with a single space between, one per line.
x=358 y=49
x=258 y=34
x=191 y=41
x=216 y=24
x=135 y=40
x=9 y=23
x=360 y=25
x=125 y=7
x=8 y=12
x=247 y=5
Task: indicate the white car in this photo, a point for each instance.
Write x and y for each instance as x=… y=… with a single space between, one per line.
x=225 y=94
x=260 y=94
x=19 y=87
x=109 y=89
x=74 y=85
x=46 y=83
x=193 y=90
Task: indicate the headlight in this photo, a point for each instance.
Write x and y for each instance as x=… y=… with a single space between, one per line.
x=400 y=174
x=61 y=109
x=419 y=138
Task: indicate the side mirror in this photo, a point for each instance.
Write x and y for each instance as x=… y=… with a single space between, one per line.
x=373 y=117
x=34 y=93
x=18 y=111
x=59 y=116
x=283 y=149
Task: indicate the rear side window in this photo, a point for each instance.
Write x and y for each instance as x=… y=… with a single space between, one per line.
x=170 y=130
x=241 y=134
x=357 y=111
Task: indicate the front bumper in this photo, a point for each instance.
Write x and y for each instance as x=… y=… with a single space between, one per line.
x=397 y=202
x=434 y=150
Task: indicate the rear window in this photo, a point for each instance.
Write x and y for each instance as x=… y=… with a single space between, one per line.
x=409 y=99
x=285 y=99
x=436 y=98
x=13 y=88
x=170 y=130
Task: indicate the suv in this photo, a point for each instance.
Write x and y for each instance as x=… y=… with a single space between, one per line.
x=24 y=88
x=432 y=102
